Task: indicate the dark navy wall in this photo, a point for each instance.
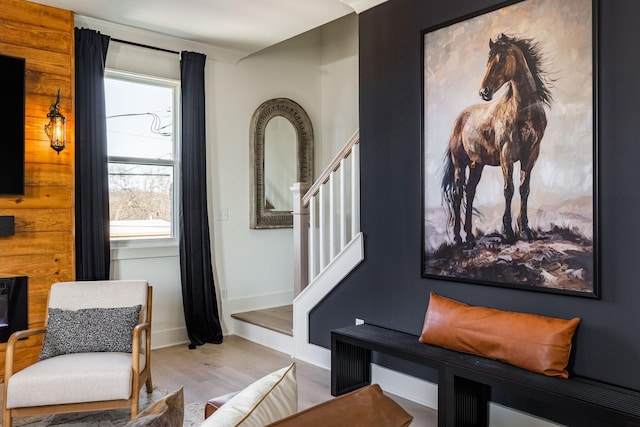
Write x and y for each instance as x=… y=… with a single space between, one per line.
x=387 y=289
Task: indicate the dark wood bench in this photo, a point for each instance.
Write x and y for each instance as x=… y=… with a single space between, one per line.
x=465 y=380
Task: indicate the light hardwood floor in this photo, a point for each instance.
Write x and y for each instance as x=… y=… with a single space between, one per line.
x=279 y=319
x=213 y=370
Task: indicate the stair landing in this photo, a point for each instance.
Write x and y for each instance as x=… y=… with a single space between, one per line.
x=278 y=319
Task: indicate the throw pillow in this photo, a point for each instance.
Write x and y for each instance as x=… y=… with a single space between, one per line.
x=89 y=330
x=365 y=407
x=269 y=399
x=167 y=412
x=536 y=343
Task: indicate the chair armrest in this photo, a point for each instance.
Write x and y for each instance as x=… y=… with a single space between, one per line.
x=137 y=331
x=135 y=347
x=18 y=335
x=11 y=348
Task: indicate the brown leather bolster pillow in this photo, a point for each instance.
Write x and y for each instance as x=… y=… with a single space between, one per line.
x=536 y=343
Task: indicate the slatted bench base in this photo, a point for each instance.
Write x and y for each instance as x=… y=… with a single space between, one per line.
x=465 y=380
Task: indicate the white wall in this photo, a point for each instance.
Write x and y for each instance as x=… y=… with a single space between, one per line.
x=253 y=268
x=160 y=266
x=339 y=81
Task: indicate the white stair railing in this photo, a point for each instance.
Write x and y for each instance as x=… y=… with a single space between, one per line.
x=327 y=217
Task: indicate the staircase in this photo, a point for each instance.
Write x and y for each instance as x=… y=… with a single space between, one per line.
x=328 y=244
x=327 y=240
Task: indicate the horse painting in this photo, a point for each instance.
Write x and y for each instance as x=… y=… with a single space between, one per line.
x=498 y=133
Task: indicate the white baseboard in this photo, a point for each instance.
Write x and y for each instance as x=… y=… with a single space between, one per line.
x=501 y=416
x=275 y=340
x=411 y=388
x=257 y=302
x=168 y=338
x=240 y=305
x=315 y=355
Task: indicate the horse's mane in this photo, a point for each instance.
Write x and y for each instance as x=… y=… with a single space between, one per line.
x=533 y=56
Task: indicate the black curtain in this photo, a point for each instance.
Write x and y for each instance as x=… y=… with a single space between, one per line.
x=91 y=174
x=198 y=291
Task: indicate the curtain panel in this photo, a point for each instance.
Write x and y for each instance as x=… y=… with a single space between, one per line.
x=198 y=290
x=91 y=169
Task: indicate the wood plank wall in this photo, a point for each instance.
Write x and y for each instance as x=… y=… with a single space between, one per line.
x=43 y=245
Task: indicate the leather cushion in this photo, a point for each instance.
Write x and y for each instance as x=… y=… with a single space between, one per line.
x=536 y=343
x=365 y=407
x=216 y=403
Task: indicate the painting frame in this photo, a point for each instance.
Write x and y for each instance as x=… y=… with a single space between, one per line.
x=559 y=201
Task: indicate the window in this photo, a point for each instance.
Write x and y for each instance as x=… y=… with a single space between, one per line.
x=141 y=143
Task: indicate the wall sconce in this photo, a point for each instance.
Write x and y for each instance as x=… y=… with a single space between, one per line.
x=56 y=129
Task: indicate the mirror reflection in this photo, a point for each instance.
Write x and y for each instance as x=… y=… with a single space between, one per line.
x=279 y=164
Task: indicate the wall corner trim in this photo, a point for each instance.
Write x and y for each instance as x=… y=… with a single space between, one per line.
x=360 y=6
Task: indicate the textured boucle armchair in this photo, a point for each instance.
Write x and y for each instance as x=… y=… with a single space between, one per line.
x=96 y=352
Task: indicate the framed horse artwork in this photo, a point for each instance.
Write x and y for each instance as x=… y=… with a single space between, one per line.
x=509 y=148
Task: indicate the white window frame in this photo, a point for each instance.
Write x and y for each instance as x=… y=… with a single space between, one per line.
x=175 y=163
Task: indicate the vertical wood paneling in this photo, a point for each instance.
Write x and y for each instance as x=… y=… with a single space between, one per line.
x=43 y=246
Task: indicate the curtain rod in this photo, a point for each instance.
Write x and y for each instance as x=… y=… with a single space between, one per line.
x=145 y=46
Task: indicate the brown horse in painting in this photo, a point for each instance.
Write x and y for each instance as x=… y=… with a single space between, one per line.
x=499 y=133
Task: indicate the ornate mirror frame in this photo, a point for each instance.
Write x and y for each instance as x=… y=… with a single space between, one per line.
x=295 y=114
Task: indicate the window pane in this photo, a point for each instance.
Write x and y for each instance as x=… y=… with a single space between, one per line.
x=140 y=200
x=139 y=119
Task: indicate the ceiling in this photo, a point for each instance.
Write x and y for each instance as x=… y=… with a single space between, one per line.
x=240 y=26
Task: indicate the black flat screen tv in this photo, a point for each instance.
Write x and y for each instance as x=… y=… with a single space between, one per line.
x=12 y=76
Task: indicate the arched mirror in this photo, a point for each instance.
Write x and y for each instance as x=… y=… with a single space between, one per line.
x=281 y=154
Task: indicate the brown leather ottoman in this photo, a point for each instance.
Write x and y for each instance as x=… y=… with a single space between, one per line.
x=214 y=404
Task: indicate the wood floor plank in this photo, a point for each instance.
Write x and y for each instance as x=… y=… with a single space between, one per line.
x=279 y=319
x=213 y=370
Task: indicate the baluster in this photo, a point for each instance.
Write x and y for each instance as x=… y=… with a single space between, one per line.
x=300 y=237
x=355 y=190
x=343 y=207
x=321 y=228
x=332 y=216
x=329 y=236
x=313 y=224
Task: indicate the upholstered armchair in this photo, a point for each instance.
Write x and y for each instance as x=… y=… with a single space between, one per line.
x=96 y=351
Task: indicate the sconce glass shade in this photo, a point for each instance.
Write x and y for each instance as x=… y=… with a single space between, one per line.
x=56 y=129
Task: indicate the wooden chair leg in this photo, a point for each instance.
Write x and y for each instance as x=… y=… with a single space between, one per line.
x=135 y=405
x=6 y=418
x=149 y=384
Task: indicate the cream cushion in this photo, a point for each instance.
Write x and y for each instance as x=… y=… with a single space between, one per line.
x=99 y=294
x=269 y=399
x=72 y=378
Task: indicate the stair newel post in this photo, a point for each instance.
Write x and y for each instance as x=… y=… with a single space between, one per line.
x=300 y=237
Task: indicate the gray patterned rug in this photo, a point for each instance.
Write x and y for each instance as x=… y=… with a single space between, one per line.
x=193 y=415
